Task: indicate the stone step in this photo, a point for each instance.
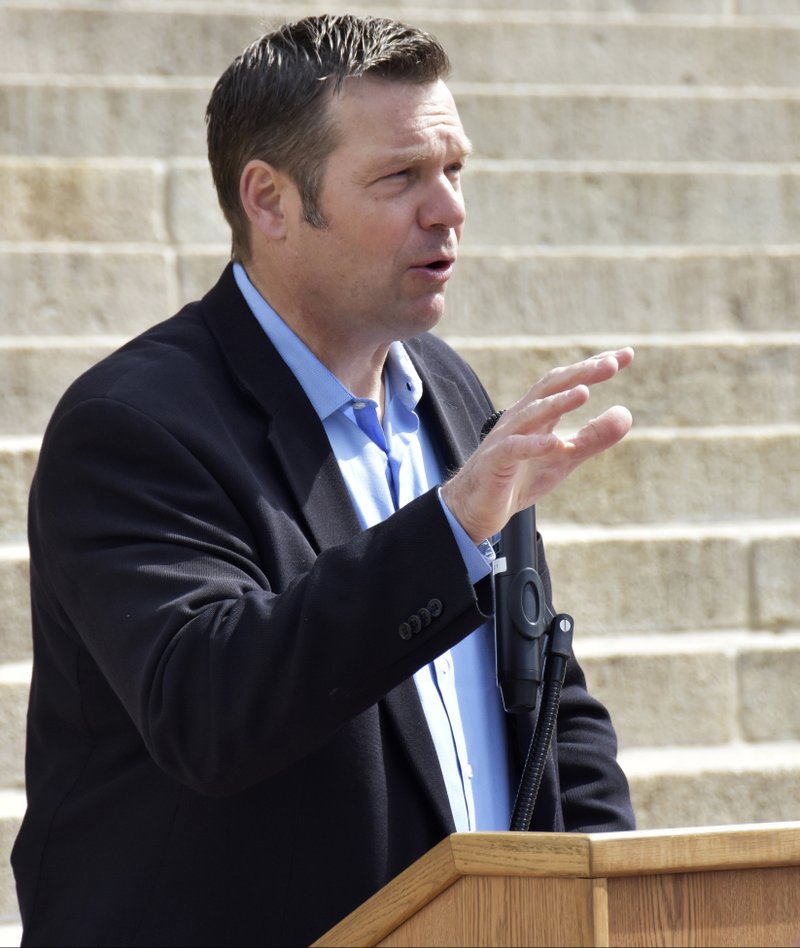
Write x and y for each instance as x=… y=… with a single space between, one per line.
x=510 y=202
x=714 y=786
x=490 y=45
x=573 y=290
x=669 y=475
x=10 y=931
x=77 y=116
x=692 y=380
x=695 y=380
x=635 y=580
x=15 y=679
x=12 y=809
x=291 y=8
x=18 y=457
x=601 y=203
x=15 y=630
x=53 y=288
x=675 y=475
x=689 y=689
x=641 y=580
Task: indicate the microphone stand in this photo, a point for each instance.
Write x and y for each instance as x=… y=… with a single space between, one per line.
x=529 y=637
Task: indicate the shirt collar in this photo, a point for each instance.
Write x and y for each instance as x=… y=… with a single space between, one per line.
x=325 y=392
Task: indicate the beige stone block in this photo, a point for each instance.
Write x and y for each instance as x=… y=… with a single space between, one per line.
x=676 y=475
x=608 y=123
x=70 y=291
x=628 y=581
x=15 y=630
x=658 y=698
x=192 y=207
x=768 y=672
x=519 y=203
x=80 y=200
x=199 y=270
x=558 y=291
x=776 y=580
x=717 y=797
x=82 y=117
x=17 y=464
x=14 y=688
x=119 y=41
x=630 y=52
x=12 y=809
x=703 y=380
x=768 y=7
x=33 y=377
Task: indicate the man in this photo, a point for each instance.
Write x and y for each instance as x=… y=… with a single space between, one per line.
x=262 y=678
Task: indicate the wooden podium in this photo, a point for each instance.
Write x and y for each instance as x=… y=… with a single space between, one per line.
x=714 y=886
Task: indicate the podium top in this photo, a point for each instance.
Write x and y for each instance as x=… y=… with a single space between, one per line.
x=566 y=855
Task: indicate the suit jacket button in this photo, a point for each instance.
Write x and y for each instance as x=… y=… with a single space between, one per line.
x=405 y=631
x=435 y=608
x=425 y=617
x=415 y=623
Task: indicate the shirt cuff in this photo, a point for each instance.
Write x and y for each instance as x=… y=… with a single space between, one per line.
x=479 y=558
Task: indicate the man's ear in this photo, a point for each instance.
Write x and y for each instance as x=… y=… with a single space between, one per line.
x=263 y=193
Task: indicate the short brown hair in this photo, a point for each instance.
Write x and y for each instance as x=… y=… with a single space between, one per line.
x=271 y=102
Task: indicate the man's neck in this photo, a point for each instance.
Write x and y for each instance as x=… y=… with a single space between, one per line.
x=358 y=363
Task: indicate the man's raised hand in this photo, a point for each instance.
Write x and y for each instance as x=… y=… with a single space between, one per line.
x=522 y=458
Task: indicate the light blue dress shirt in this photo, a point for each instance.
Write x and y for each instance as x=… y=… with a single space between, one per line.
x=384 y=467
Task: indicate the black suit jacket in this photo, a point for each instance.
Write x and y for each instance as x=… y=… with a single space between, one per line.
x=225 y=746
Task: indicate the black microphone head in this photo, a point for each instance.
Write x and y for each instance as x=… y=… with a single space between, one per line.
x=490 y=422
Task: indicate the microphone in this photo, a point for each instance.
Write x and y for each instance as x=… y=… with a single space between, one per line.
x=522 y=615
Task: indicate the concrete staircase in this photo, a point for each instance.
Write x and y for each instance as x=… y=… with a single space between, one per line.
x=636 y=180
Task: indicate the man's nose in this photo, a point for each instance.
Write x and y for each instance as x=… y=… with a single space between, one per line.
x=443 y=205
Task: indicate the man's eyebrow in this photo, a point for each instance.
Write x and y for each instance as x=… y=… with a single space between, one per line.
x=411 y=155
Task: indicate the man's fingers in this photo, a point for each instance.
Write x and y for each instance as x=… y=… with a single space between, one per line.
x=597 y=368
x=545 y=413
x=602 y=432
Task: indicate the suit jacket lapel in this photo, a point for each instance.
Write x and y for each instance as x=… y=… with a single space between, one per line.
x=293 y=430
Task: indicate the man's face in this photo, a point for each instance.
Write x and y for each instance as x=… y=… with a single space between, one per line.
x=392 y=199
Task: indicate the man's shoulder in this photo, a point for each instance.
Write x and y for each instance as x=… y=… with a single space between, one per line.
x=155 y=358
x=178 y=354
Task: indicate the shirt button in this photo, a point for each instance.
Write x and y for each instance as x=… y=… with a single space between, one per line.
x=469 y=771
